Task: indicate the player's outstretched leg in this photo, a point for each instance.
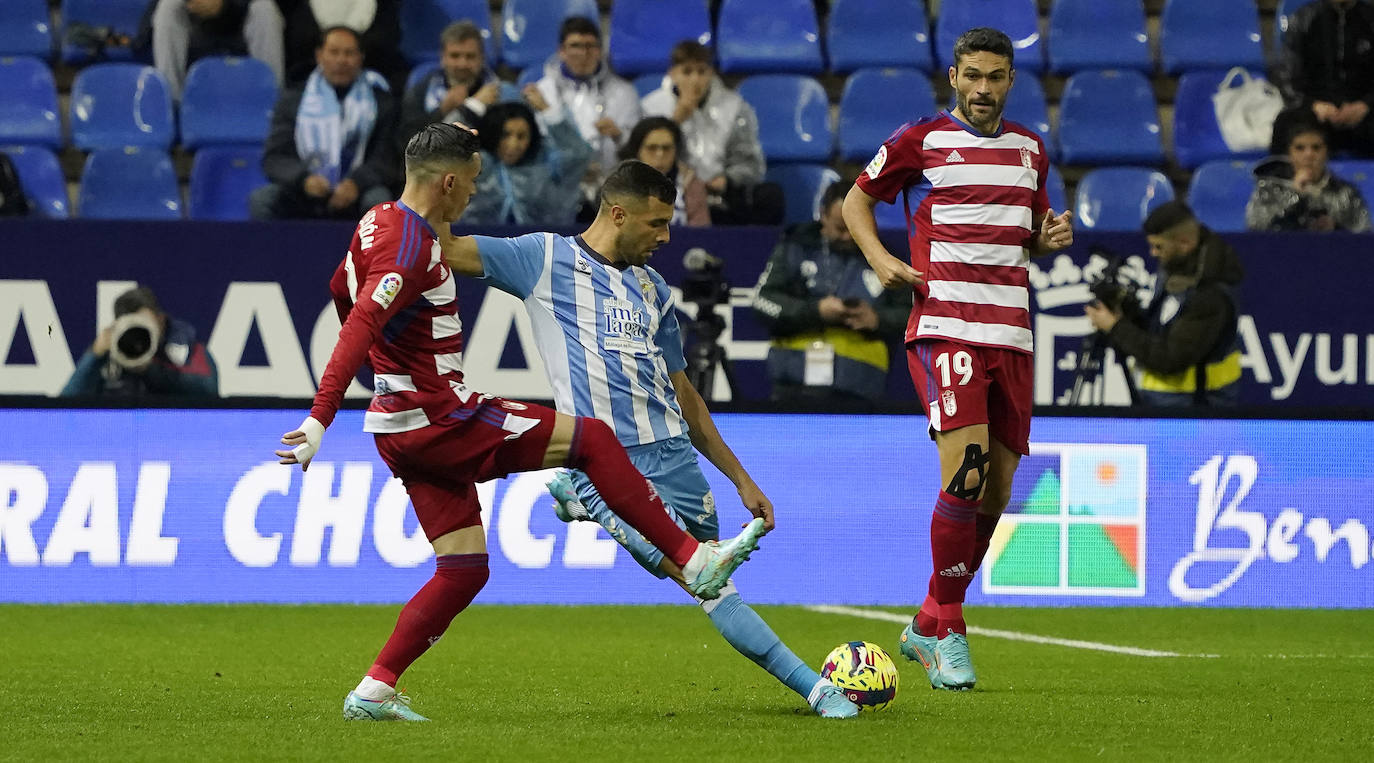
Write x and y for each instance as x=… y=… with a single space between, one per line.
x=710 y=568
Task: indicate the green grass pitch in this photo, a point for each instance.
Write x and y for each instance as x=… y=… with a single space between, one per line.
x=658 y=683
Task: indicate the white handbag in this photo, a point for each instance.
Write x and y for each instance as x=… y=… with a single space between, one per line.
x=1246 y=107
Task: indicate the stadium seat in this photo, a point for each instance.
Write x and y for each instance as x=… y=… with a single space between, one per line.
x=1092 y=34
x=122 y=17
x=221 y=179
x=419 y=72
x=529 y=76
x=529 y=28
x=648 y=83
x=1357 y=172
x=1054 y=187
x=116 y=105
x=24 y=29
x=643 y=32
x=423 y=20
x=865 y=33
x=802 y=188
x=1020 y=19
x=228 y=101
x=1109 y=117
x=129 y=184
x=875 y=102
x=41 y=177
x=1217 y=34
x=794 y=116
x=28 y=112
x=778 y=36
x=1218 y=194
x=1026 y=106
x=1119 y=198
x=1197 y=138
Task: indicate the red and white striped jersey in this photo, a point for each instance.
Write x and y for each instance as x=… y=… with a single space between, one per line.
x=974 y=203
x=399 y=308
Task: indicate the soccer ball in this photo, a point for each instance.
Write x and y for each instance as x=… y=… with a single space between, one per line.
x=864 y=672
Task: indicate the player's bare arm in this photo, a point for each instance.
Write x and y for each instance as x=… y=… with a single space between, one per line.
x=707 y=440
x=460 y=254
x=858 y=215
x=1056 y=233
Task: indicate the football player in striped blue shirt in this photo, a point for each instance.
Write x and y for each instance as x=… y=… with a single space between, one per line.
x=606 y=326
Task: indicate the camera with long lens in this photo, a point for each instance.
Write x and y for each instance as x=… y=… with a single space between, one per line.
x=705 y=286
x=1114 y=289
x=134 y=339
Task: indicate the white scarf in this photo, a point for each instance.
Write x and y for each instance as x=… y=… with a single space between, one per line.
x=326 y=130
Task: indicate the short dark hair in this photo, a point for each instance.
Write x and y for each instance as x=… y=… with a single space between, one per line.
x=136 y=299
x=641 y=131
x=1168 y=216
x=493 y=124
x=578 y=25
x=836 y=191
x=635 y=179
x=1302 y=127
x=461 y=31
x=440 y=142
x=324 y=35
x=987 y=40
x=690 y=51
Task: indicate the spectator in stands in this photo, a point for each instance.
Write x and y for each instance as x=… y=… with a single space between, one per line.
x=1298 y=192
x=144 y=352
x=830 y=318
x=377 y=22
x=524 y=181
x=721 y=136
x=657 y=141
x=1184 y=343
x=331 y=150
x=602 y=106
x=460 y=90
x=1327 y=72
x=187 y=30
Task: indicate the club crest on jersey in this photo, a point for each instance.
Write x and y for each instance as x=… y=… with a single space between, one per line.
x=646 y=286
x=387 y=289
x=947 y=398
x=1026 y=159
x=876 y=166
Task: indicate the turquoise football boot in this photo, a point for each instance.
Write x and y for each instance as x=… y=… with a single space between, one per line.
x=713 y=562
x=394 y=708
x=953 y=662
x=918 y=648
x=833 y=704
x=567 y=506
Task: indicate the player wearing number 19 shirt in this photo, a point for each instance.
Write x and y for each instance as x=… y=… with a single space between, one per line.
x=973 y=186
x=398 y=305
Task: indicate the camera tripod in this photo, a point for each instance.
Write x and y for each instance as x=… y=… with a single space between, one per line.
x=707 y=355
x=1091 y=357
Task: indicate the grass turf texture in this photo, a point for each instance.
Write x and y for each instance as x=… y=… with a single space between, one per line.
x=612 y=683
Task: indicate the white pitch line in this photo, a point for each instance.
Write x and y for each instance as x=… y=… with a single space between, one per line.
x=875 y=614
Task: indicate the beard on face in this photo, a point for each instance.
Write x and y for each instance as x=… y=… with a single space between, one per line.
x=965 y=108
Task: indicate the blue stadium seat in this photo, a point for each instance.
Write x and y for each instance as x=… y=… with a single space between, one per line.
x=228 y=101
x=129 y=184
x=1020 y=19
x=1119 y=198
x=1357 y=172
x=121 y=16
x=1218 y=193
x=529 y=28
x=1197 y=138
x=1054 y=187
x=777 y=36
x=115 y=105
x=802 y=188
x=24 y=29
x=221 y=179
x=529 y=76
x=794 y=116
x=28 y=111
x=41 y=177
x=1093 y=34
x=643 y=32
x=864 y=33
x=1109 y=117
x=423 y=20
x=1215 y=34
x=648 y=83
x=1026 y=106
x=419 y=72
x=875 y=102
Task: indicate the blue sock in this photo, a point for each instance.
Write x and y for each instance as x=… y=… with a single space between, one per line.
x=751 y=636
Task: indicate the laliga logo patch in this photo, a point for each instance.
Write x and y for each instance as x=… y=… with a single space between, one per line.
x=1026 y=158
x=581 y=266
x=876 y=166
x=947 y=397
x=387 y=289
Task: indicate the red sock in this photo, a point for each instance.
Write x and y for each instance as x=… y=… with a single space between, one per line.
x=952 y=538
x=597 y=452
x=457 y=579
x=927 y=621
x=986 y=526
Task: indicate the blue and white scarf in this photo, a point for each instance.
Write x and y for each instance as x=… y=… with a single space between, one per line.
x=330 y=134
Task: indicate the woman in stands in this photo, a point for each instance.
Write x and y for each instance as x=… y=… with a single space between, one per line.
x=1298 y=192
x=657 y=141
x=523 y=180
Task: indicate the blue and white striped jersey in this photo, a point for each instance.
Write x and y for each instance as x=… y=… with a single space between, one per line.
x=608 y=333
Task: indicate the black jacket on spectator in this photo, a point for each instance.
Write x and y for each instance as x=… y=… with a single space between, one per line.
x=1328 y=54
x=282 y=164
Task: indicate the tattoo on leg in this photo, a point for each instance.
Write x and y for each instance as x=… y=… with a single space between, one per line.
x=975 y=462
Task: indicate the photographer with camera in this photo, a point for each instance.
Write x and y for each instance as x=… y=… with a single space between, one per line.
x=830 y=317
x=1184 y=341
x=144 y=352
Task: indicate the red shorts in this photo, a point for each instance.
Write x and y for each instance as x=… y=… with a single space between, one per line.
x=963 y=384
x=440 y=464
